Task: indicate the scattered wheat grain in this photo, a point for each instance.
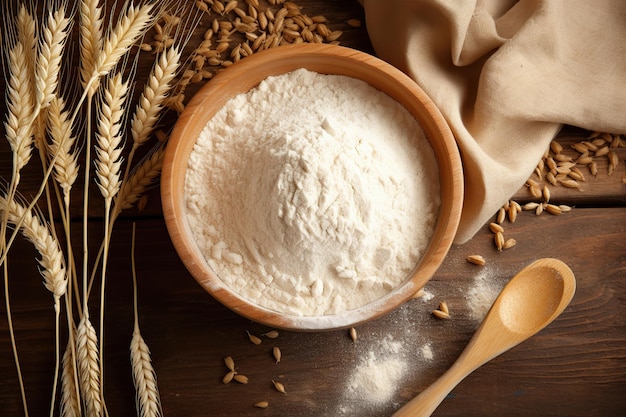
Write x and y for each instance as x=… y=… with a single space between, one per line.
x=476 y=260
x=254 y=339
x=277 y=353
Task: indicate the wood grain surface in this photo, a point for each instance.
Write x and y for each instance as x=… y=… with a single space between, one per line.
x=574 y=367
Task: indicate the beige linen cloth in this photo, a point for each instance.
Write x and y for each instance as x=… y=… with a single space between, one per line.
x=507 y=75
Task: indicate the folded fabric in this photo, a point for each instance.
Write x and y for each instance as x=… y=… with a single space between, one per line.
x=507 y=75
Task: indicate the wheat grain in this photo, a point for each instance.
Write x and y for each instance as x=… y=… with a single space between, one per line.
x=279 y=386
x=353 y=334
x=144 y=377
x=89 y=366
x=49 y=56
x=242 y=379
x=277 y=353
x=509 y=243
x=440 y=314
x=228 y=377
x=109 y=137
x=499 y=240
x=254 y=339
x=230 y=363
x=476 y=260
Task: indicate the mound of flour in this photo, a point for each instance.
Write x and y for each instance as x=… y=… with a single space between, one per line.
x=312 y=194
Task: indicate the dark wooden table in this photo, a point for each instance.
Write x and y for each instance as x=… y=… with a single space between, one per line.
x=574 y=367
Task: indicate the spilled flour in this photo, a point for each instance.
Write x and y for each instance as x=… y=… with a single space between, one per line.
x=378 y=374
x=482 y=293
x=381 y=372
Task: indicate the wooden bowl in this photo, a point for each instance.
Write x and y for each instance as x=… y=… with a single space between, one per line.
x=321 y=58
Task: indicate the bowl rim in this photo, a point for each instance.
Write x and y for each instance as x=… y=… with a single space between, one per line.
x=179 y=147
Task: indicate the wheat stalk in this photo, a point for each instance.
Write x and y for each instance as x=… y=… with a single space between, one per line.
x=49 y=56
x=19 y=93
x=88 y=366
x=108 y=166
x=51 y=262
x=148 y=400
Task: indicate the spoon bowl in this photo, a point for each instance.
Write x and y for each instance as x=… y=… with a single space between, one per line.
x=529 y=302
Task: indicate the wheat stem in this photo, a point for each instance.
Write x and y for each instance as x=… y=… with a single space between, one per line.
x=57 y=319
x=18 y=368
x=108 y=165
x=139 y=180
x=51 y=262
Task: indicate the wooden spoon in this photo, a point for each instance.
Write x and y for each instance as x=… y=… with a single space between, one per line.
x=528 y=303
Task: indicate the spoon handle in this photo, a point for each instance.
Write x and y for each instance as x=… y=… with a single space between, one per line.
x=428 y=400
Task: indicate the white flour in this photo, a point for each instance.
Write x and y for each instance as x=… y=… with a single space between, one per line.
x=379 y=375
x=312 y=194
x=483 y=293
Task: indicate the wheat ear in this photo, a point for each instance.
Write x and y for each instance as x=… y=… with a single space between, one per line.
x=91 y=34
x=20 y=109
x=54 y=35
x=88 y=366
x=70 y=394
x=51 y=262
x=147 y=400
x=109 y=139
x=151 y=101
x=131 y=25
x=140 y=179
x=27 y=36
x=61 y=146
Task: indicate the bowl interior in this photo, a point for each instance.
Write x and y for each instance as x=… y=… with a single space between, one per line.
x=328 y=59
